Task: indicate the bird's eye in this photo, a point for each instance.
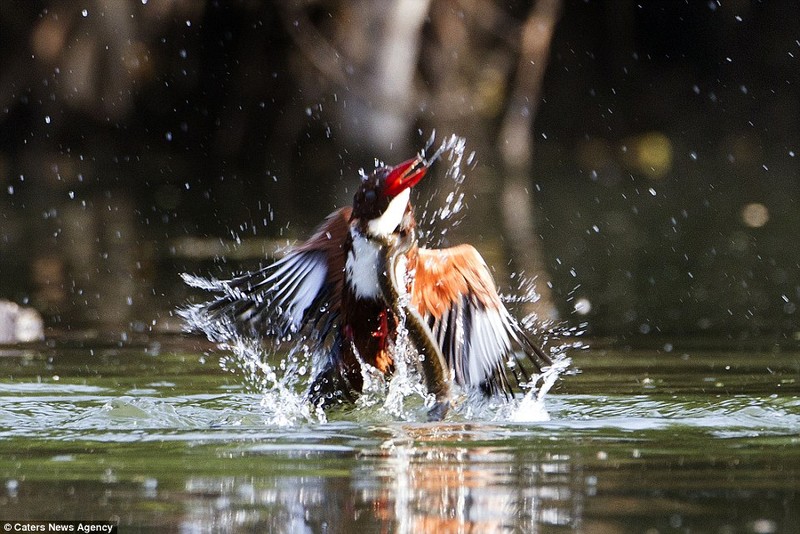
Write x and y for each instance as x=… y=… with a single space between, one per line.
x=370 y=196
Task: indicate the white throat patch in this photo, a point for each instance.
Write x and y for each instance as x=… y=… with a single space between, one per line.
x=391 y=218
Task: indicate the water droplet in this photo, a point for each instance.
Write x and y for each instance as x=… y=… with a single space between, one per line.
x=47 y=119
x=85 y=12
x=583 y=306
x=168 y=136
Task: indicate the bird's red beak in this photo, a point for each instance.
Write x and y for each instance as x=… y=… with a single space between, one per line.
x=405 y=175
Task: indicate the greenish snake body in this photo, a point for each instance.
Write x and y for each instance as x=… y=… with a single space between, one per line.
x=430 y=362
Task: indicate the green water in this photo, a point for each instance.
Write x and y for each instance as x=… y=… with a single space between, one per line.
x=650 y=437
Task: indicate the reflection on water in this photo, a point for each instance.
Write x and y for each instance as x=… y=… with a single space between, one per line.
x=439 y=481
x=157 y=436
x=401 y=486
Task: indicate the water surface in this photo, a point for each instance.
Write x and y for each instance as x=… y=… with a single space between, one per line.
x=650 y=436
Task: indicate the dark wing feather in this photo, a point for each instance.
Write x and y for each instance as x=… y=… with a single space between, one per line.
x=302 y=289
x=454 y=291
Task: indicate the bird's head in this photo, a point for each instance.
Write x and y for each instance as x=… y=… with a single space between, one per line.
x=381 y=200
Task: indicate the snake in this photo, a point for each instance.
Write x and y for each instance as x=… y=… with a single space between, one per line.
x=431 y=362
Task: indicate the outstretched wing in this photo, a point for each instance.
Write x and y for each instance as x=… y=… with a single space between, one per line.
x=302 y=288
x=454 y=291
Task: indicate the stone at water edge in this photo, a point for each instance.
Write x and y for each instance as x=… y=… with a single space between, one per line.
x=19 y=324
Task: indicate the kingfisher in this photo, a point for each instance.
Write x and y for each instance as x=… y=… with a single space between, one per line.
x=359 y=281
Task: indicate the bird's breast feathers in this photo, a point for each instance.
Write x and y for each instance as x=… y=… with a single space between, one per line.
x=361 y=266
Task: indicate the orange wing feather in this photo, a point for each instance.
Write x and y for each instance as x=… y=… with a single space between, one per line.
x=454 y=290
x=444 y=276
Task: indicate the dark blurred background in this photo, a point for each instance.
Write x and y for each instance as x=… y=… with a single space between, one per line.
x=640 y=159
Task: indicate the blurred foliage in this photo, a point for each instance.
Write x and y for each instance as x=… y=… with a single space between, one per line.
x=663 y=172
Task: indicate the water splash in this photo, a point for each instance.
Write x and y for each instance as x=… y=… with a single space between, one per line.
x=434 y=223
x=280 y=386
x=531 y=407
x=406 y=385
